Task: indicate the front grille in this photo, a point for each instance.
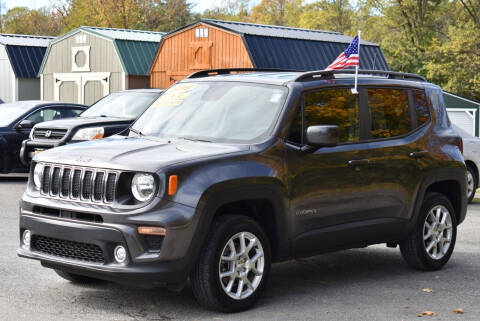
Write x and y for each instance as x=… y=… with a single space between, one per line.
x=51 y=134
x=68 y=249
x=79 y=183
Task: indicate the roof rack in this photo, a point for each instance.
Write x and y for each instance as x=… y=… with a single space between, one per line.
x=330 y=74
x=227 y=71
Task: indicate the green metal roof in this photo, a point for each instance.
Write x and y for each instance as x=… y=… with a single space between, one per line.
x=136 y=48
x=136 y=56
x=454 y=101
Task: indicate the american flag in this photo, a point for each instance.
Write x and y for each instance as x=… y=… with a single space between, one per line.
x=350 y=57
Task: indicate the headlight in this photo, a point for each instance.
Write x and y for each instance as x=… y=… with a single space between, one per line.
x=143 y=187
x=37 y=175
x=89 y=133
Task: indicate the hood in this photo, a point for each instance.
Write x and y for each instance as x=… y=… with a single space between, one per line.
x=134 y=154
x=69 y=123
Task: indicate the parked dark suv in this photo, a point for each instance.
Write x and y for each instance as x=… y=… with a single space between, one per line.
x=225 y=174
x=108 y=116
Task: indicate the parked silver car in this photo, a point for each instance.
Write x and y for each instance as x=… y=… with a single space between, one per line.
x=471 y=154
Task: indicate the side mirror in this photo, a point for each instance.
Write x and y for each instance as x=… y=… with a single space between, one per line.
x=323 y=136
x=25 y=124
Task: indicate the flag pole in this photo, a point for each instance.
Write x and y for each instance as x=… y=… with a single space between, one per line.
x=354 y=90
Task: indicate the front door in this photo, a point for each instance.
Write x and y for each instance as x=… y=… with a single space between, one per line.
x=326 y=187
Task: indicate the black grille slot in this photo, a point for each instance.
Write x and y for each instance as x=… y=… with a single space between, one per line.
x=46 y=180
x=66 y=181
x=154 y=242
x=54 y=134
x=98 y=187
x=110 y=191
x=68 y=249
x=87 y=185
x=76 y=184
x=55 y=181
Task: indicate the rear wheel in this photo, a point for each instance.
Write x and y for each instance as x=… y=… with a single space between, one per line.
x=431 y=243
x=76 y=278
x=233 y=267
x=472 y=182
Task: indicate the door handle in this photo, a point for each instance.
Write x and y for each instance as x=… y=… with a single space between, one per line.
x=419 y=154
x=358 y=162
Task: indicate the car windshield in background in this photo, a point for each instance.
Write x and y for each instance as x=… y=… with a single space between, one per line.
x=214 y=111
x=122 y=105
x=12 y=111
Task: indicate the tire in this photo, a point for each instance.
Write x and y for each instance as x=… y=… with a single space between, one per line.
x=414 y=248
x=77 y=278
x=472 y=182
x=208 y=287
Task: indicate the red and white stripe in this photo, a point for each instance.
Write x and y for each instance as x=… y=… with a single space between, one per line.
x=342 y=62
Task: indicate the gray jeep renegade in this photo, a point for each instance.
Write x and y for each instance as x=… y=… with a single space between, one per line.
x=227 y=173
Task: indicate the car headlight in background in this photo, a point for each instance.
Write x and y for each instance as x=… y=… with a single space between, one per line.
x=37 y=175
x=89 y=133
x=143 y=187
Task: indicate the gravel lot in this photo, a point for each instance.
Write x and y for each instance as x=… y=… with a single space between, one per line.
x=364 y=284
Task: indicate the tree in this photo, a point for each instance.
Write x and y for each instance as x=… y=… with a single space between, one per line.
x=21 y=20
x=331 y=15
x=277 y=12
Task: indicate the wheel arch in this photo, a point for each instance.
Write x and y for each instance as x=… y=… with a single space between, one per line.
x=262 y=199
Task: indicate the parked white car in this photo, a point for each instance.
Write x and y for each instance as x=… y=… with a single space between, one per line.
x=471 y=155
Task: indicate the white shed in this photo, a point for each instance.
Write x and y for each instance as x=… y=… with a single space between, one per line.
x=463 y=112
x=20 y=60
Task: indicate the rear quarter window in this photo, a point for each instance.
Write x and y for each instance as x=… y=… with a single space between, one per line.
x=389 y=110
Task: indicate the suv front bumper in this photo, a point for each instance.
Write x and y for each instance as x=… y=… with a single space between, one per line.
x=70 y=240
x=29 y=146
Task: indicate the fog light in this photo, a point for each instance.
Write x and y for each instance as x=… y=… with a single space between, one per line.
x=26 y=238
x=120 y=254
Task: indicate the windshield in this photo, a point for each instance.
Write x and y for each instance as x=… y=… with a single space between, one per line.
x=12 y=111
x=214 y=111
x=123 y=105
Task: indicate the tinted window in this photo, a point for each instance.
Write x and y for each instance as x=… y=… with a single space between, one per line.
x=421 y=107
x=46 y=115
x=389 y=112
x=334 y=107
x=295 y=133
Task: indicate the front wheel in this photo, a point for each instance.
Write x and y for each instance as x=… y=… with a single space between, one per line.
x=233 y=267
x=472 y=183
x=431 y=243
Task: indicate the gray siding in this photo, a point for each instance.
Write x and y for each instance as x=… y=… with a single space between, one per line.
x=28 y=88
x=69 y=92
x=103 y=58
x=7 y=83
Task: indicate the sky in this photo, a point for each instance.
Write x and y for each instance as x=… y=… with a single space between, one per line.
x=200 y=5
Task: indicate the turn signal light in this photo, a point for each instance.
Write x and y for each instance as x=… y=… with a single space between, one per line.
x=97 y=136
x=152 y=230
x=172 y=184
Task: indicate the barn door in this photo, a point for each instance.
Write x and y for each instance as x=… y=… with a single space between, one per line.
x=174 y=76
x=201 y=55
x=83 y=88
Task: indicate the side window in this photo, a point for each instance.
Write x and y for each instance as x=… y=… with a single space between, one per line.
x=389 y=112
x=45 y=115
x=421 y=107
x=334 y=107
x=295 y=132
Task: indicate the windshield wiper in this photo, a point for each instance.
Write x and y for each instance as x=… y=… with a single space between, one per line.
x=139 y=133
x=196 y=140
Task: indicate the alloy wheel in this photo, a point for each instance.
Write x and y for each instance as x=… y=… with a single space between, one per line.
x=437 y=232
x=241 y=265
x=470 y=184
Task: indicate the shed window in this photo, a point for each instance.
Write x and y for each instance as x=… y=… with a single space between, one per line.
x=201 y=33
x=81 y=39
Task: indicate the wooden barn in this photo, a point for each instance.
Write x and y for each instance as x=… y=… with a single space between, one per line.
x=20 y=60
x=89 y=63
x=212 y=44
